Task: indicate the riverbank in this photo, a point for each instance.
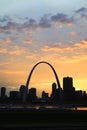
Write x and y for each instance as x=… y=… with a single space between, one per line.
x=11 y=119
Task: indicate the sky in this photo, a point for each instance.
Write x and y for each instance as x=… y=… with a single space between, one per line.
x=43 y=30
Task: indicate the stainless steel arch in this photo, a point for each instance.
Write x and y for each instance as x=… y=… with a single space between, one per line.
x=30 y=74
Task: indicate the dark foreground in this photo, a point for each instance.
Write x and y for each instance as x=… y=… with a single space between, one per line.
x=43 y=119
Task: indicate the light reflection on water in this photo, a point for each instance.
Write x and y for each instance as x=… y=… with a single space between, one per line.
x=81 y=108
x=37 y=107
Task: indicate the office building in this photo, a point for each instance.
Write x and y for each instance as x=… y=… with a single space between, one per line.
x=21 y=91
x=32 y=94
x=3 y=92
x=14 y=95
x=68 y=89
x=44 y=96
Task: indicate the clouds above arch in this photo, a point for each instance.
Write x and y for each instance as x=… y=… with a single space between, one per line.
x=46 y=21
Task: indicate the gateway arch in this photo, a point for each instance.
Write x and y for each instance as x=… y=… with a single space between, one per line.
x=30 y=74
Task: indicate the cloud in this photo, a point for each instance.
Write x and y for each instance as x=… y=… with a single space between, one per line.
x=27 y=41
x=8 y=41
x=11 y=48
x=82 y=12
x=30 y=23
x=45 y=22
x=5 y=19
x=52 y=48
x=62 y=18
x=73 y=33
x=3 y=51
x=16 y=52
x=8 y=25
x=59 y=48
x=60 y=53
x=32 y=57
x=58 y=58
x=12 y=52
x=71 y=53
x=82 y=45
x=5 y=41
x=33 y=24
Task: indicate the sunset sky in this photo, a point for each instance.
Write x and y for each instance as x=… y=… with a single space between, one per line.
x=43 y=30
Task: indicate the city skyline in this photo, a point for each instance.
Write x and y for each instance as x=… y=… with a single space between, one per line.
x=67 y=82
x=67 y=94
x=43 y=30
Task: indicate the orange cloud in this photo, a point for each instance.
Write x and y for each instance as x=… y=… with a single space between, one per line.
x=53 y=49
x=32 y=57
x=27 y=41
x=6 y=41
x=16 y=52
x=12 y=49
x=82 y=45
x=3 y=50
x=60 y=49
x=72 y=53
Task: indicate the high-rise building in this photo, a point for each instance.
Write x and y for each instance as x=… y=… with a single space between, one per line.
x=14 y=95
x=21 y=91
x=67 y=83
x=44 y=95
x=3 y=92
x=54 y=87
x=55 y=93
x=68 y=89
x=32 y=94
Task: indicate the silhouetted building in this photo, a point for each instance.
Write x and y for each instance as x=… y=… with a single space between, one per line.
x=67 y=83
x=68 y=89
x=32 y=94
x=54 y=87
x=44 y=96
x=14 y=95
x=21 y=91
x=3 y=92
x=79 y=95
x=55 y=93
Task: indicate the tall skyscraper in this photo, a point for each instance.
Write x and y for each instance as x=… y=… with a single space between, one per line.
x=55 y=93
x=67 y=83
x=68 y=89
x=21 y=91
x=54 y=87
x=32 y=94
x=3 y=92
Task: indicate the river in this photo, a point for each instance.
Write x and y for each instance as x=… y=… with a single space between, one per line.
x=43 y=107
